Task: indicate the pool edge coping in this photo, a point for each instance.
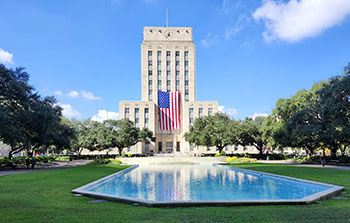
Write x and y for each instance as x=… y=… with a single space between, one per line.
x=323 y=195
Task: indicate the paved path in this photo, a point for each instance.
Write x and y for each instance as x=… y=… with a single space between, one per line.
x=289 y=162
x=51 y=166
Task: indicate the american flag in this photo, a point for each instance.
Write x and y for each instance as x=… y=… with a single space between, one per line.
x=169 y=110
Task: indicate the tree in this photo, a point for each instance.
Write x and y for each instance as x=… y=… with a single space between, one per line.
x=251 y=133
x=27 y=121
x=303 y=130
x=283 y=132
x=333 y=113
x=217 y=130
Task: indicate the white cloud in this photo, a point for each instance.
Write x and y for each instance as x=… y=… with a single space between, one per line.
x=256 y=114
x=69 y=112
x=6 y=57
x=295 y=20
x=231 y=112
x=209 y=40
x=104 y=115
x=89 y=95
x=73 y=94
x=59 y=93
x=241 y=22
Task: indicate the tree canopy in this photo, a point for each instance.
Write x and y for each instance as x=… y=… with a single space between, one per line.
x=217 y=130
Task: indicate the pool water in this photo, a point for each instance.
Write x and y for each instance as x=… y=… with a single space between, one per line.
x=168 y=183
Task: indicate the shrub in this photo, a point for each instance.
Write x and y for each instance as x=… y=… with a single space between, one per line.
x=62 y=158
x=123 y=154
x=100 y=161
x=130 y=155
x=235 y=159
x=229 y=159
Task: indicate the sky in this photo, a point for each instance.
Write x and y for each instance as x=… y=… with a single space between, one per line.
x=249 y=53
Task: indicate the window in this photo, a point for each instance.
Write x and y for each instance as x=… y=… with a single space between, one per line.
x=168 y=64
x=167 y=55
x=177 y=146
x=210 y=111
x=186 y=95
x=186 y=85
x=150 y=96
x=137 y=117
x=168 y=75
x=168 y=85
x=186 y=55
x=159 y=54
x=200 y=112
x=159 y=85
x=177 y=75
x=150 y=84
x=191 y=147
x=159 y=74
x=147 y=147
x=150 y=75
x=159 y=65
x=149 y=53
x=146 y=117
x=191 y=116
x=186 y=75
x=160 y=146
x=236 y=148
x=177 y=86
x=127 y=113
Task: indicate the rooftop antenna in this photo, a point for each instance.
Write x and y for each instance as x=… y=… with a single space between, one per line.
x=166 y=24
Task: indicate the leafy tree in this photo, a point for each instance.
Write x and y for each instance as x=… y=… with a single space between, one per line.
x=333 y=113
x=251 y=133
x=217 y=130
x=284 y=127
x=27 y=121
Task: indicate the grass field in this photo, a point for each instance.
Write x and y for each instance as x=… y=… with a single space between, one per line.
x=45 y=196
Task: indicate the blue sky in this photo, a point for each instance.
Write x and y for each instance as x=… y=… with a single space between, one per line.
x=249 y=52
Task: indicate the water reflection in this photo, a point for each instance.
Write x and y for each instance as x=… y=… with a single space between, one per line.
x=202 y=182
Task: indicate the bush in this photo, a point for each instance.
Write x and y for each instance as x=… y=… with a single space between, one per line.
x=114 y=161
x=62 y=158
x=229 y=159
x=100 y=161
x=235 y=159
x=344 y=159
x=130 y=155
x=123 y=154
x=4 y=161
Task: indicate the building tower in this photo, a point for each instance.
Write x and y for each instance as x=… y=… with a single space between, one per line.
x=168 y=63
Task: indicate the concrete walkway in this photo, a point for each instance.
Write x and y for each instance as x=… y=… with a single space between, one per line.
x=290 y=162
x=53 y=165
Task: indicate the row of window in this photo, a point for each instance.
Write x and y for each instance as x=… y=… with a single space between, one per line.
x=200 y=114
x=137 y=116
x=168 y=73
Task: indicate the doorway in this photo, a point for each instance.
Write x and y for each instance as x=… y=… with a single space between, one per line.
x=169 y=147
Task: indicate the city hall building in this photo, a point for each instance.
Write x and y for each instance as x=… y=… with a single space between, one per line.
x=168 y=64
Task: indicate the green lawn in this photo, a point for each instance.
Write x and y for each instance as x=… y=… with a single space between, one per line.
x=45 y=196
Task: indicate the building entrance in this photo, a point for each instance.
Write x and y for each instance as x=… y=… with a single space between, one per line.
x=169 y=147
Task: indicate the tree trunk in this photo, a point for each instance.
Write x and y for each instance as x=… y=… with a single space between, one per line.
x=220 y=148
x=334 y=151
